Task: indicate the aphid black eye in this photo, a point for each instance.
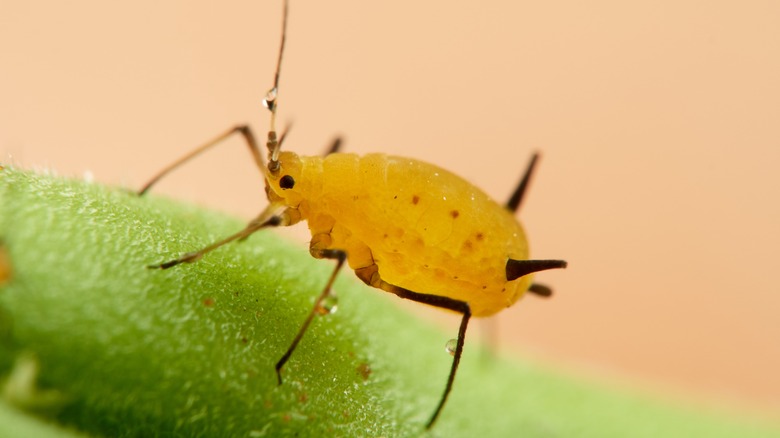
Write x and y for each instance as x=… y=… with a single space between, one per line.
x=287 y=182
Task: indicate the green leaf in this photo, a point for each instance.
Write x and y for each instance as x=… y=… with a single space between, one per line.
x=94 y=341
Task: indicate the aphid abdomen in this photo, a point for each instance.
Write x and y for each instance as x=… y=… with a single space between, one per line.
x=425 y=228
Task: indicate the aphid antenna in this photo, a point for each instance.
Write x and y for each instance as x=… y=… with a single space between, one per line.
x=273 y=143
x=270 y=102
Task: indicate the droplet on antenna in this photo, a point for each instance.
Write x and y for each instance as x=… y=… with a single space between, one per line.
x=270 y=99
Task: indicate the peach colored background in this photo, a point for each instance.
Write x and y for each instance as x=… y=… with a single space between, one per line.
x=659 y=124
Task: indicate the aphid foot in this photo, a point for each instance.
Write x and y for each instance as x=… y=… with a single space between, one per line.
x=186 y=258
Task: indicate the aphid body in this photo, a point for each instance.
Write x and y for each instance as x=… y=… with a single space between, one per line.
x=414 y=224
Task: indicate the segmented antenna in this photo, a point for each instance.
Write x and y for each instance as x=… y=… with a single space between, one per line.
x=273 y=144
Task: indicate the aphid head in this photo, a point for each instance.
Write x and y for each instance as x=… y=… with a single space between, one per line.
x=283 y=179
x=284 y=168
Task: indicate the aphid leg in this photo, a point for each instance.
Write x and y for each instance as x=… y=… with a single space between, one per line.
x=513 y=204
x=370 y=275
x=540 y=290
x=447 y=303
x=244 y=130
x=334 y=147
x=266 y=219
x=341 y=257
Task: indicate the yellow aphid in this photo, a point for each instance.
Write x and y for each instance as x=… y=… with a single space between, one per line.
x=420 y=227
x=404 y=226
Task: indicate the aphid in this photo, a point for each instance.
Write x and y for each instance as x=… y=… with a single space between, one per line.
x=404 y=226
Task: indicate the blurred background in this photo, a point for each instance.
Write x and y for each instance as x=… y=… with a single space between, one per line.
x=658 y=124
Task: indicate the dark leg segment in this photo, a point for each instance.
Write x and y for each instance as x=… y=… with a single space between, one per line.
x=455 y=361
x=541 y=290
x=339 y=255
x=370 y=275
x=334 y=147
x=517 y=197
x=446 y=303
